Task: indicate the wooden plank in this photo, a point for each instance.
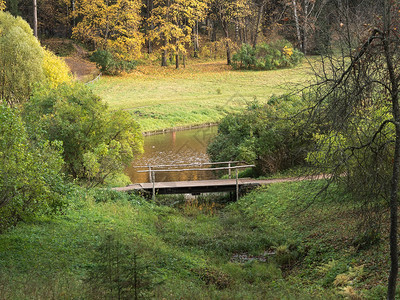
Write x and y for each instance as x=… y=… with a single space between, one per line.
x=211 y=184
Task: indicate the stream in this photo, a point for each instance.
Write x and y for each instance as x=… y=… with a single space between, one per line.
x=171 y=148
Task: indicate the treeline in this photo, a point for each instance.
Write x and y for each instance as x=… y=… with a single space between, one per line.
x=173 y=29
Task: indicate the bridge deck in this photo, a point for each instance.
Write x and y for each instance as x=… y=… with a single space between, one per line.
x=199 y=186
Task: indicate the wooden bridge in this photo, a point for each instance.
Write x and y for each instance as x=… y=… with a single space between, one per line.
x=197 y=186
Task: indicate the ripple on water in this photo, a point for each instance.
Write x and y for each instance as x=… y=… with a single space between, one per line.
x=173 y=148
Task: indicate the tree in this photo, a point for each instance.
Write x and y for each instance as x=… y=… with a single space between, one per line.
x=306 y=14
x=173 y=21
x=227 y=12
x=97 y=142
x=357 y=99
x=110 y=25
x=24 y=63
x=2 y=5
x=30 y=174
x=21 y=59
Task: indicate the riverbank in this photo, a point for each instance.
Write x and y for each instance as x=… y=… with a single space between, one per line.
x=179 y=128
x=202 y=93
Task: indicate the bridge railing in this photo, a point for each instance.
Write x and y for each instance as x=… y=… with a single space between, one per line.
x=152 y=169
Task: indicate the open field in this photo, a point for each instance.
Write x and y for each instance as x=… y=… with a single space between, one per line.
x=202 y=92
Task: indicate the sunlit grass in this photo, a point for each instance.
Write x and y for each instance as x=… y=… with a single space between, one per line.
x=200 y=93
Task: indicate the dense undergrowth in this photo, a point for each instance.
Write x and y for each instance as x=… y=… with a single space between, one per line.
x=266 y=246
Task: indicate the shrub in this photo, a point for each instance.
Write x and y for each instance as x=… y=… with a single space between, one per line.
x=110 y=65
x=263 y=135
x=97 y=142
x=280 y=54
x=30 y=180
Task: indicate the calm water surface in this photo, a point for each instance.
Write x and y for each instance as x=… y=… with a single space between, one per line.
x=178 y=147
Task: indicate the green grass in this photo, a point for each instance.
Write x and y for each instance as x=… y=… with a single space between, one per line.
x=194 y=250
x=202 y=92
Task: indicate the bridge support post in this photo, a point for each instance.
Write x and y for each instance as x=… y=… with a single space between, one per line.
x=237 y=185
x=150 y=175
x=229 y=171
x=154 y=185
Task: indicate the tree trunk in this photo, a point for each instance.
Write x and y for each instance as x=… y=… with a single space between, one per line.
x=394 y=263
x=228 y=49
x=236 y=30
x=196 y=39
x=35 y=21
x=164 y=54
x=177 y=60
x=393 y=205
x=164 y=58
x=228 y=53
x=149 y=9
x=184 y=60
x=214 y=34
x=305 y=27
x=257 y=28
x=296 y=19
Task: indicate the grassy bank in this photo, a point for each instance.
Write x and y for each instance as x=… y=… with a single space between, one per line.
x=203 y=92
x=259 y=248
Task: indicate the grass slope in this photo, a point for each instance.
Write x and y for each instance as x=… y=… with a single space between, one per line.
x=202 y=92
x=258 y=248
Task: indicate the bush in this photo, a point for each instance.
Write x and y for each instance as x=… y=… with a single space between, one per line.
x=280 y=54
x=110 y=65
x=263 y=135
x=30 y=180
x=97 y=142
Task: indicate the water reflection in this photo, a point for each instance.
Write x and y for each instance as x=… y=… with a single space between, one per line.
x=178 y=147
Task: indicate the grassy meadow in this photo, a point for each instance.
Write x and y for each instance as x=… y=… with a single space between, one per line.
x=262 y=247
x=203 y=92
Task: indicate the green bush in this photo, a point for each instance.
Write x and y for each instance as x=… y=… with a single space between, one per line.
x=280 y=54
x=264 y=135
x=97 y=142
x=109 y=65
x=30 y=174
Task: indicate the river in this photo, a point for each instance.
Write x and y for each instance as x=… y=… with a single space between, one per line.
x=171 y=148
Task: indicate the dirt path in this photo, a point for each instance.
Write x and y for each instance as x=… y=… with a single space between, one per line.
x=80 y=66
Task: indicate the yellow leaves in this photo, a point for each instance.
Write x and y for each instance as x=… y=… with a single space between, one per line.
x=287 y=51
x=2 y=5
x=174 y=21
x=111 y=26
x=55 y=69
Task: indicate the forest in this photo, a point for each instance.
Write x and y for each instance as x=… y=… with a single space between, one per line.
x=301 y=89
